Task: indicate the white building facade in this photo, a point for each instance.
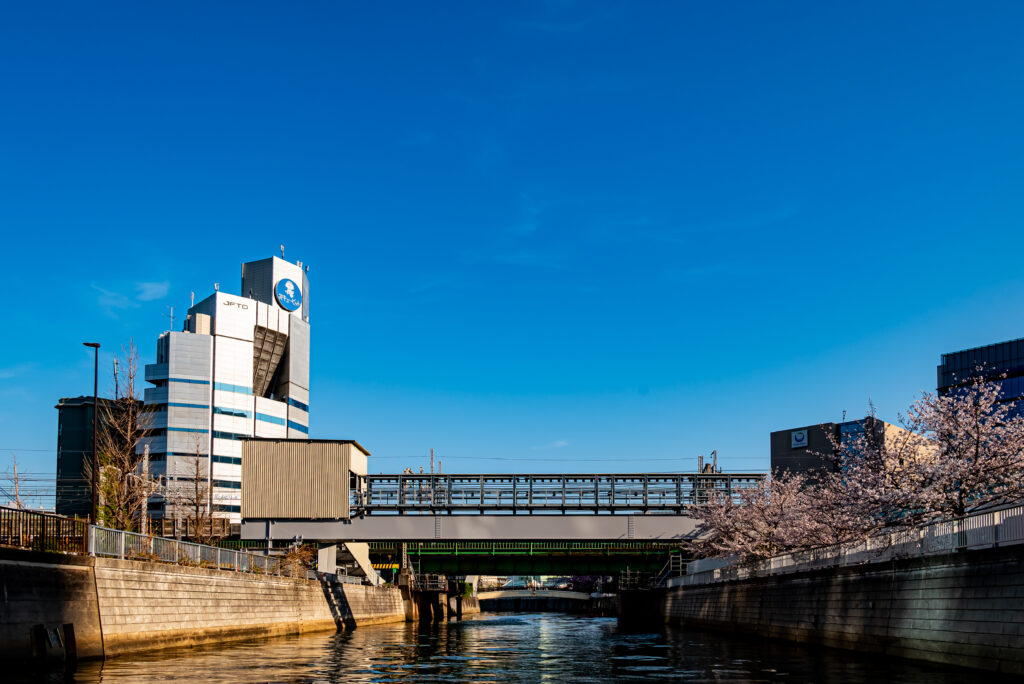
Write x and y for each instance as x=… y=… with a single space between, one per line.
x=239 y=368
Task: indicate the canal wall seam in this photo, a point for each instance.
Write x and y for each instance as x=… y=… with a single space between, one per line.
x=963 y=609
x=122 y=606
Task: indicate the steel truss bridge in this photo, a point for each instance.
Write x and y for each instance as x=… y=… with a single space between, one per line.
x=514 y=507
x=558 y=493
x=527 y=558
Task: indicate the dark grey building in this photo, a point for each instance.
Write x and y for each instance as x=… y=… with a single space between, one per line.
x=74 y=445
x=74 y=450
x=811 y=448
x=990 y=362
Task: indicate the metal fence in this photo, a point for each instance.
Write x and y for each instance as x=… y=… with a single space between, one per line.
x=340 y=579
x=430 y=582
x=104 y=541
x=547 y=492
x=55 y=533
x=1003 y=527
x=42 y=531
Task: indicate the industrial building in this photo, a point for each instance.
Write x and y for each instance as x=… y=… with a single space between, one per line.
x=811 y=448
x=238 y=369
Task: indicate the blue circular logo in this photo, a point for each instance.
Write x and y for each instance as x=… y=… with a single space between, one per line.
x=288 y=294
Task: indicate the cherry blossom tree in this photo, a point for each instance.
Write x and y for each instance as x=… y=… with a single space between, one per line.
x=949 y=455
x=756 y=522
x=978 y=446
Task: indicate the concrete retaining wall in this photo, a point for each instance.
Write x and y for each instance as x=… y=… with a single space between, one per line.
x=470 y=605
x=362 y=605
x=962 y=609
x=158 y=605
x=125 y=606
x=47 y=589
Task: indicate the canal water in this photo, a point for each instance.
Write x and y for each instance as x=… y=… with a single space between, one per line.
x=513 y=647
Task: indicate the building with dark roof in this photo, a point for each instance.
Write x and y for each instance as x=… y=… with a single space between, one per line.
x=1001 y=364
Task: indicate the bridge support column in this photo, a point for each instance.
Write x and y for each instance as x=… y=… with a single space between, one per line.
x=430 y=606
x=327 y=558
x=408 y=597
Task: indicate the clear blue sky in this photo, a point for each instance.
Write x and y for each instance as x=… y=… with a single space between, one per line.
x=556 y=236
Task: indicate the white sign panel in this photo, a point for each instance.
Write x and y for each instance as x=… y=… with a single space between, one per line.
x=798 y=439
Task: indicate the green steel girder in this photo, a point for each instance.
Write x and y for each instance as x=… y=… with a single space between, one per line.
x=524 y=558
x=514 y=548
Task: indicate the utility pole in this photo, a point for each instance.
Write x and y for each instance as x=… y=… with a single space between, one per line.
x=145 y=490
x=17 y=485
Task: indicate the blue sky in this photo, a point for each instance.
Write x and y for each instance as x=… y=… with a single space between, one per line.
x=542 y=236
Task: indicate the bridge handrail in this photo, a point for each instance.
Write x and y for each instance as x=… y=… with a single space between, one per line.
x=549 y=491
x=988 y=529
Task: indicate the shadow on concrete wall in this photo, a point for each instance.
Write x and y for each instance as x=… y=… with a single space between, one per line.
x=338 y=602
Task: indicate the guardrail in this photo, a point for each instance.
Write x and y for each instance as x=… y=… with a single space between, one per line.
x=54 y=533
x=1002 y=527
x=111 y=543
x=340 y=579
x=430 y=582
x=42 y=531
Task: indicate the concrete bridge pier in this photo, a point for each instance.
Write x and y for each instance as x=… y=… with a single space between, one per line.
x=408 y=598
x=430 y=606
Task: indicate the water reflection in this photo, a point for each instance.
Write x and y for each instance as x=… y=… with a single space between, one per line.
x=548 y=647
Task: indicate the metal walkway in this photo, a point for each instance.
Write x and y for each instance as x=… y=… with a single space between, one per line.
x=528 y=493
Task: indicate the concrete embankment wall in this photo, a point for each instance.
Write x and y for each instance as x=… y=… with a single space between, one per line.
x=964 y=609
x=162 y=605
x=47 y=589
x=124 y=606
x=470 y=605
x=361 y=605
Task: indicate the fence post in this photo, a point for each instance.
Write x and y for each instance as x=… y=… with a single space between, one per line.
x=90 y=540
x=997 y=519
x=120 y=544
x=177 y=550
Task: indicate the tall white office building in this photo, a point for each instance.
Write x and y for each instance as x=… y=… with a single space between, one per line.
x=239 y=368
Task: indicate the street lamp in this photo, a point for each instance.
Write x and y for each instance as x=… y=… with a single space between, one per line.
x=95 y=408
